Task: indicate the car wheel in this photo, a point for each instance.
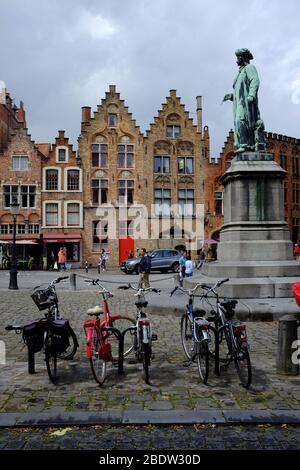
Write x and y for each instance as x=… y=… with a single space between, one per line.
x=175 y=267
x=136 y=269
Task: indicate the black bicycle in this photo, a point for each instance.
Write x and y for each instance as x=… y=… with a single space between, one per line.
x=52 y=334
x=195 y=332
x=232 y=342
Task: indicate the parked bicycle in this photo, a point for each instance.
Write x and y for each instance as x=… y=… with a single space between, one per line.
x=103 y=335
x=232 y=343
x=52 y=334
x=143 y=336
x=195 y=333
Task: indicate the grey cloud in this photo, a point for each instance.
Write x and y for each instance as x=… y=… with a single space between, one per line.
x=54 y=59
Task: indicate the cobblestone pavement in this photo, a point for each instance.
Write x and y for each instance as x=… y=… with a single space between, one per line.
x=198 y=437
x=173 y=386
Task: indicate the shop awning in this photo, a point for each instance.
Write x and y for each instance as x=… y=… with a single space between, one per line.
x=61 y=237
x=19 y=242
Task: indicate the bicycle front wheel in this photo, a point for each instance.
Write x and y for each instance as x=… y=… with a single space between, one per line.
x=51 y=360
x=202 y=353
x=243 y=364
x=186 y=335
x=98 y=365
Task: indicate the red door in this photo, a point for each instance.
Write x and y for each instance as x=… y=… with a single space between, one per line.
x=125 y=246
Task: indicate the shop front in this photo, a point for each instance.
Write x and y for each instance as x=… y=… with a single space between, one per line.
x=72 y=244
x=28 y=253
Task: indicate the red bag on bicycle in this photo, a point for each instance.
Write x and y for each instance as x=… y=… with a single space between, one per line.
x=105 y=352
x=296 y=292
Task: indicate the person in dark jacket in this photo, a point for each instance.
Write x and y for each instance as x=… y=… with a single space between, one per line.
x=144 y=269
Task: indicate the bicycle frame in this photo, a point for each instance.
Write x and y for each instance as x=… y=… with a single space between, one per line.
x=104 y=326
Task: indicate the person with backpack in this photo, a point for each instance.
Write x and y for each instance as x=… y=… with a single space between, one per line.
x=144 y=270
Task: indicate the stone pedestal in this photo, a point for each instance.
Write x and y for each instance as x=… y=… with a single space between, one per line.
x=255 y=250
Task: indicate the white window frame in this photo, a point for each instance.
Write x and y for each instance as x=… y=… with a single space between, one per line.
x=21 y=155
x=66 y=179
x=51 y=201
x=66 y=203
x=67 y=153
x=59 y=188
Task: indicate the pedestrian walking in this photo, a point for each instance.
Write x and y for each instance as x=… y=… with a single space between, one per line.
x=144 y=270
x=62 y=259
x=182 y=261
x=297 y=252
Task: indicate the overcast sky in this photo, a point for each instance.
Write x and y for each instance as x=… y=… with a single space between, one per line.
x=59 y=55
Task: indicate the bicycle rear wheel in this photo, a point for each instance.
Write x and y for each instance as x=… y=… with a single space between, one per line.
x=186 y=335
x=243 y=364
x=202 y=353
x=121 y=324
x=98 y=365
x=51 y=360
x=71 y=351
x=146 y=349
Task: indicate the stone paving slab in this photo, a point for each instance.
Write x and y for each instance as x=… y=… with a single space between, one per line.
x=173 y=386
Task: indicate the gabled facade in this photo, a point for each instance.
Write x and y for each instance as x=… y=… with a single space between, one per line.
x=20 y=169
x=111 y=149
x=62 y=204
x=174 y=150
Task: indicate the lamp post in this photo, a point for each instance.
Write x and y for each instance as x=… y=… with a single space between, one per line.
x=13 y=281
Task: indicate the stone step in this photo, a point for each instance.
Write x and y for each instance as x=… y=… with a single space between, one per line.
x=243 y=288
x=251 y=269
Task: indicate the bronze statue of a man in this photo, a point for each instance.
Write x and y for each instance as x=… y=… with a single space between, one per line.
x=248 y=126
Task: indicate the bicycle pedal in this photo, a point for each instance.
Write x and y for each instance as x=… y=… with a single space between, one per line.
x=154 y=337
x=187 y=363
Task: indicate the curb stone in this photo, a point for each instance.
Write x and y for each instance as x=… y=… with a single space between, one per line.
x=187 y=417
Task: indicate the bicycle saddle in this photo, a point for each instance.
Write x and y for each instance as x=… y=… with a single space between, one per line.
x=95 y=311
x=229 y=304
x=198 y=312
x=141 y=304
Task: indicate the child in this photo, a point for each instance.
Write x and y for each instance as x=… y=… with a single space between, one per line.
x=188 y=267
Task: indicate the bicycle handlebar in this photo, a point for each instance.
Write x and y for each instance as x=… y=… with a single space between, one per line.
x=13 y=327
x=96 y=282
x=144 y=291
x=203 y=286
x=53 y=282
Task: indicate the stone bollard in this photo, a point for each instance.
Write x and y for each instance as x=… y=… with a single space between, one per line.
x=287 y=334
x=72 y=281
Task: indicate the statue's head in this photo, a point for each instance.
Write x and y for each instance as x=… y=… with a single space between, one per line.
x=243 y=56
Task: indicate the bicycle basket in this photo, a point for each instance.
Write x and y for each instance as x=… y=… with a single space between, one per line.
x=60 y=333
x=296 y=292
x=33 y=336
x=44 y=298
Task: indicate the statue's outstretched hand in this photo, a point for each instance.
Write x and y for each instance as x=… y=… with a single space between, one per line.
x=228 y=97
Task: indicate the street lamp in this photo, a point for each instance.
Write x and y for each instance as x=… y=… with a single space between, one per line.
x=13 y=281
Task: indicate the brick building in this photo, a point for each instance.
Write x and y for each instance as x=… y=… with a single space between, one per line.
x=175 y=182
x=123 y=169
x=111 y=149
x=62 y=206
x=20 y=168
x=286 y=151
